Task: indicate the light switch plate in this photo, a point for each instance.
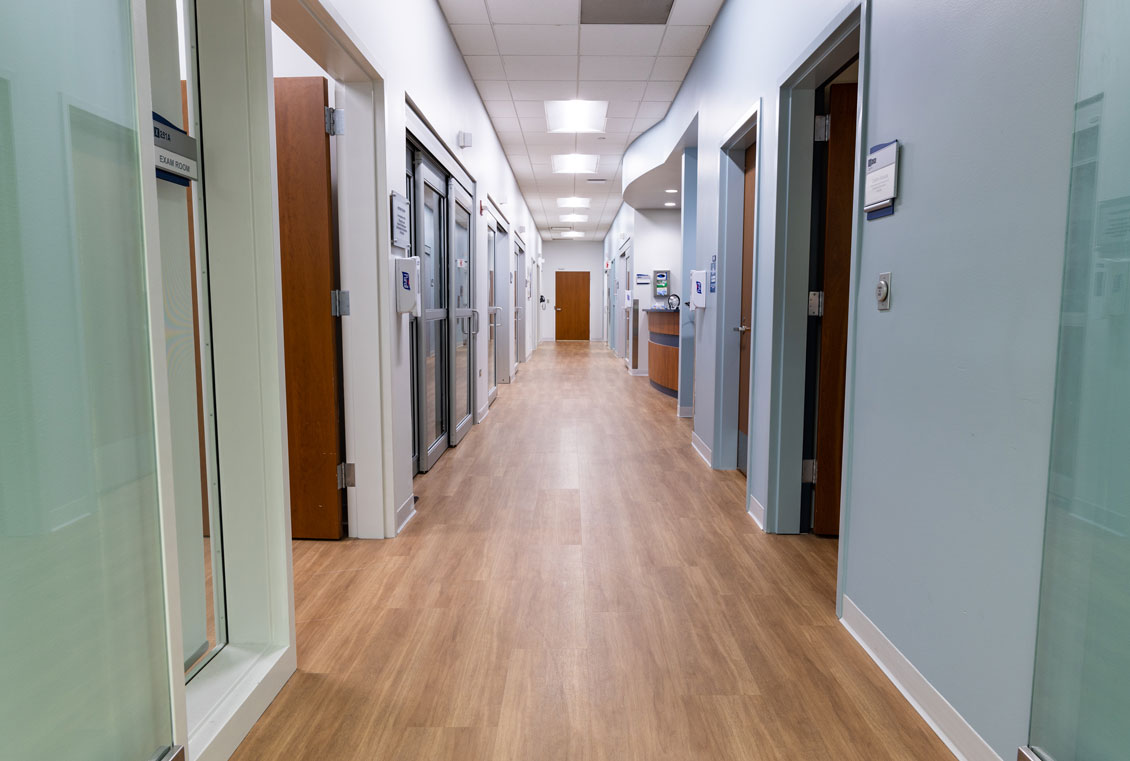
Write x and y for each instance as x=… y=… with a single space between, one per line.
x=883 y=292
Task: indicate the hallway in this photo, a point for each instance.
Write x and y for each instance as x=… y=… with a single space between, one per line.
x=548 y=603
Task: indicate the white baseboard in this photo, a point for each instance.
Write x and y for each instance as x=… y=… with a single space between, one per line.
x=756 y=511
x=943 y=718
x=700 y=447
x=481 y=415
x=637 y=372
x=686 y=412
x=405 y=512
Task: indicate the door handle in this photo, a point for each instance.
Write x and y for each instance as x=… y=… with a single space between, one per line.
x=741 y=329
x=475 y=322
x=558 y=309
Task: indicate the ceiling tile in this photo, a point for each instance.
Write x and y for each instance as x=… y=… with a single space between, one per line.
x=682 y=40
x=616 y=67
x=661 y=90
x=670 y=68
x=464 y=11
x=656 y=108
x=610 y=90
x=475 y=39
x=561 y=141
x=542 y=39
x=485 y=66
x=506 y=124
x=490 y=89
x=500 y=108
x=623 y=108
x=533 y=124
x=621 y=39
x=530 y=107
x=644 y=123
x=525 y=90
x=619 y=125
x=534 y=11
x=694 y=12
x=548 y=67
x=602 y=144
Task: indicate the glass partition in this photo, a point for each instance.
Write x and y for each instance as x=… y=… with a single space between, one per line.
x=1081 y=694
x=84 y=662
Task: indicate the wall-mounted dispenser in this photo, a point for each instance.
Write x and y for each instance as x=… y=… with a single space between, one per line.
x=699 y=284
x=408 y=285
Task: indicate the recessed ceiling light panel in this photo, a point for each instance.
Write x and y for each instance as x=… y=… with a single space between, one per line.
x=574 y=163
x=671 y=190
x=579 y=116
x=574 y=217
x=670 y=203
x=573 y=234
x=573 y=202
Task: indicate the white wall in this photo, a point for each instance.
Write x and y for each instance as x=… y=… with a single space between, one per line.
x=950 y=397
x=418 y=61
x=658 y=246
x=573 y=256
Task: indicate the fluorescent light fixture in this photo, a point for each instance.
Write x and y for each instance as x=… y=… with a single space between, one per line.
x=671 y=190
x=573 y=202
x=573 y=234
x=574 y=217
x=670 y=203
x=574 y=163
x=583 y=116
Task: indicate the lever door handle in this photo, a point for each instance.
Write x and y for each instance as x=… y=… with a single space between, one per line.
x=741 y=329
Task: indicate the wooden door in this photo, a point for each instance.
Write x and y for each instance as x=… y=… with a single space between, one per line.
x=311 y=334
x=749 y=217
x=833 y=325
x=572 y=315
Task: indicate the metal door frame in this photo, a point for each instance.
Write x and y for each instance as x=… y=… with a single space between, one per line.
x=427 y=174
x=458 y=196
x=494 y=311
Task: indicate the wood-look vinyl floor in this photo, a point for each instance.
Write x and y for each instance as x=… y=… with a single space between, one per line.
x=578 y=584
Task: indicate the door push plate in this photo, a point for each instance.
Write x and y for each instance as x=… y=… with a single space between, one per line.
x=883 y=292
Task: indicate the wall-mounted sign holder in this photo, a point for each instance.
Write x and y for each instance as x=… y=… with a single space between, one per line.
x=401 y=230
x=174 y=152
x=881 y=189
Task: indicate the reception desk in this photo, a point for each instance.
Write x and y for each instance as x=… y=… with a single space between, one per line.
x=663 y=350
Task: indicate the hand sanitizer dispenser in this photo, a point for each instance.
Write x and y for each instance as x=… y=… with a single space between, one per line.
x=408 y=285
x=698 y=289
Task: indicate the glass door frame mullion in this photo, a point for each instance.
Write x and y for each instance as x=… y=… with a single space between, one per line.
x=458 y=196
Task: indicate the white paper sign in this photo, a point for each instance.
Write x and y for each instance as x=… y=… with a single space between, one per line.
x=882 y=178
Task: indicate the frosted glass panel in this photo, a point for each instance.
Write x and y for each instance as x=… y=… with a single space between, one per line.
x=84 y=669
x=1082 y=685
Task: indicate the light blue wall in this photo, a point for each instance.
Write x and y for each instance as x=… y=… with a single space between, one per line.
x=949 y=407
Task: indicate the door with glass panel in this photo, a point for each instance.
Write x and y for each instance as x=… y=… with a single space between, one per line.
x=463 y=318
x=432 y=340
x=84 y=659
x=1081 y=692
x=493 y=311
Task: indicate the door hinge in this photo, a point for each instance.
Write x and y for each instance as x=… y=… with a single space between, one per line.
x=335 y=121
x=816 y=303
x=822 y=129
x=346 y=475
x=339 y=303
x=808 y=471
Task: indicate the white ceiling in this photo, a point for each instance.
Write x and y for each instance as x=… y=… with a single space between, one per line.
x=524 y=52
